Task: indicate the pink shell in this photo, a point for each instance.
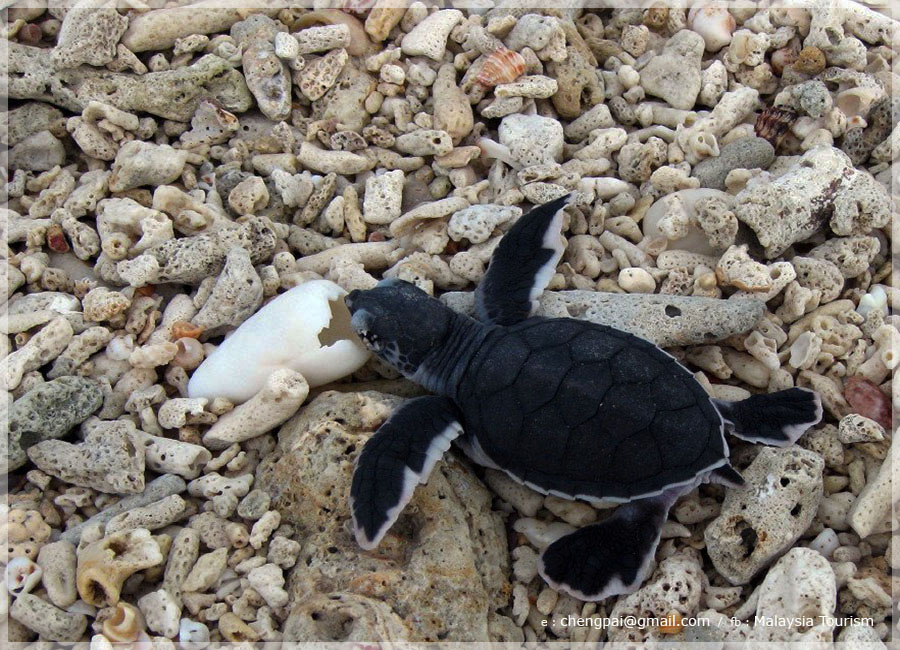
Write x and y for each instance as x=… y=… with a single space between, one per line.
x=501 y=66
x=865 y=398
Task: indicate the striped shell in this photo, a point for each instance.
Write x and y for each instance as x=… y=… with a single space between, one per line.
x=773 y=123
x=501 y=66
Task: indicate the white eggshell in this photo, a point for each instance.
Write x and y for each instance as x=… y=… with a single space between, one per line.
x=284 y=334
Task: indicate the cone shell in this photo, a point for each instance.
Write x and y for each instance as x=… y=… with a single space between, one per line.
x=500 y=67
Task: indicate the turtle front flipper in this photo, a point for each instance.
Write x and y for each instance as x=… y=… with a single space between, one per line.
x=522 y=265
x=611 y=557
x=400 y=455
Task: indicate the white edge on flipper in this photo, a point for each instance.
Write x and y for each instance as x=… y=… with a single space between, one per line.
x=614 y=587
x=791 y=431
x=439 y=445
x=554 y=241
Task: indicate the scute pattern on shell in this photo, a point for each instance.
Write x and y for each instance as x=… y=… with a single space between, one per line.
x=501 y=66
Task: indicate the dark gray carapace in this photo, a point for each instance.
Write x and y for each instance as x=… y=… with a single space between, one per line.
x=564 y=406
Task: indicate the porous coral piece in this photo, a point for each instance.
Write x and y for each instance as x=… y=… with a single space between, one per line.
x=478 y=222
x=475 y=559
x=102 y=304
x=249 y=196
x=235 y=296
x=851 y=255
x=57 y=561
x=531 y=139
x=171 y=94
x=429 y=37
x=268 y=581
x=182 y=557
x=800 y=586
x=281 y=396
x=316 y=78
x=152 y=517
x=144 y=163
x=759 y=521
x=162 y=612
x=191 y=259
x=88 y=34
x=383 y=17
x=49 y=411
x=452 y=111
x=266 y=75
x=674 y=74
x=822 y=186
x=52 y=623
x=107 y=461
x=671 y=593
x=738 y=269
x=383 y=197
x=206 y=570
x=104 y=565
x=41 y=348
x=580 y=87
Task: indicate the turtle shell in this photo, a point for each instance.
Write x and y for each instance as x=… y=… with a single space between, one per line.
x=587 y=411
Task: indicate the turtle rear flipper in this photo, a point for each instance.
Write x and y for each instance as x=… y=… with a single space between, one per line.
x=773 y=419
x=400 y=455
x=522 y=265
x=611 y=557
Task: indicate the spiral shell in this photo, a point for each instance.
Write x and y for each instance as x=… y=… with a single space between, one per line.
x=500 y=67
x=773 y=123
x=125 y=624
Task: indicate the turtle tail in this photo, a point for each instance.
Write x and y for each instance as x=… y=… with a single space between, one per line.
x=777 y=419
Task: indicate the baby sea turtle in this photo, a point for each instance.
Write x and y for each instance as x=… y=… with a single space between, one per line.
x=564 y=406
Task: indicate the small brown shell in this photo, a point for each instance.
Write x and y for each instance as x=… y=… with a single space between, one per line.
x=773 y=123
x=183 y=329
x=500 y=67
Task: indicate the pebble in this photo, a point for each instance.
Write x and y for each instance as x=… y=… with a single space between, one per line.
x=46 y=412
x=744 y=153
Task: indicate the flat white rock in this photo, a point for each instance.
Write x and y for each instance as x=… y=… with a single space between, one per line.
x=306 y=329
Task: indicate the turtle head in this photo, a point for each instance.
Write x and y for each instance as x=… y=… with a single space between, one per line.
x=399 y=322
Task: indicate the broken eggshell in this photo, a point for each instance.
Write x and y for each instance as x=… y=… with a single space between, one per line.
x=306 y=329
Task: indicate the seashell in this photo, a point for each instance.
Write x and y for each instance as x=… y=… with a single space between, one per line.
x=773 y=123
x=500 y=67
x=782 y=58
x=854 y=102
x=183 y=329
x=306 y=329
x=867 y=399
x=125 y=625
x=190 y=353
x=713 y=22
x=22 y=575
